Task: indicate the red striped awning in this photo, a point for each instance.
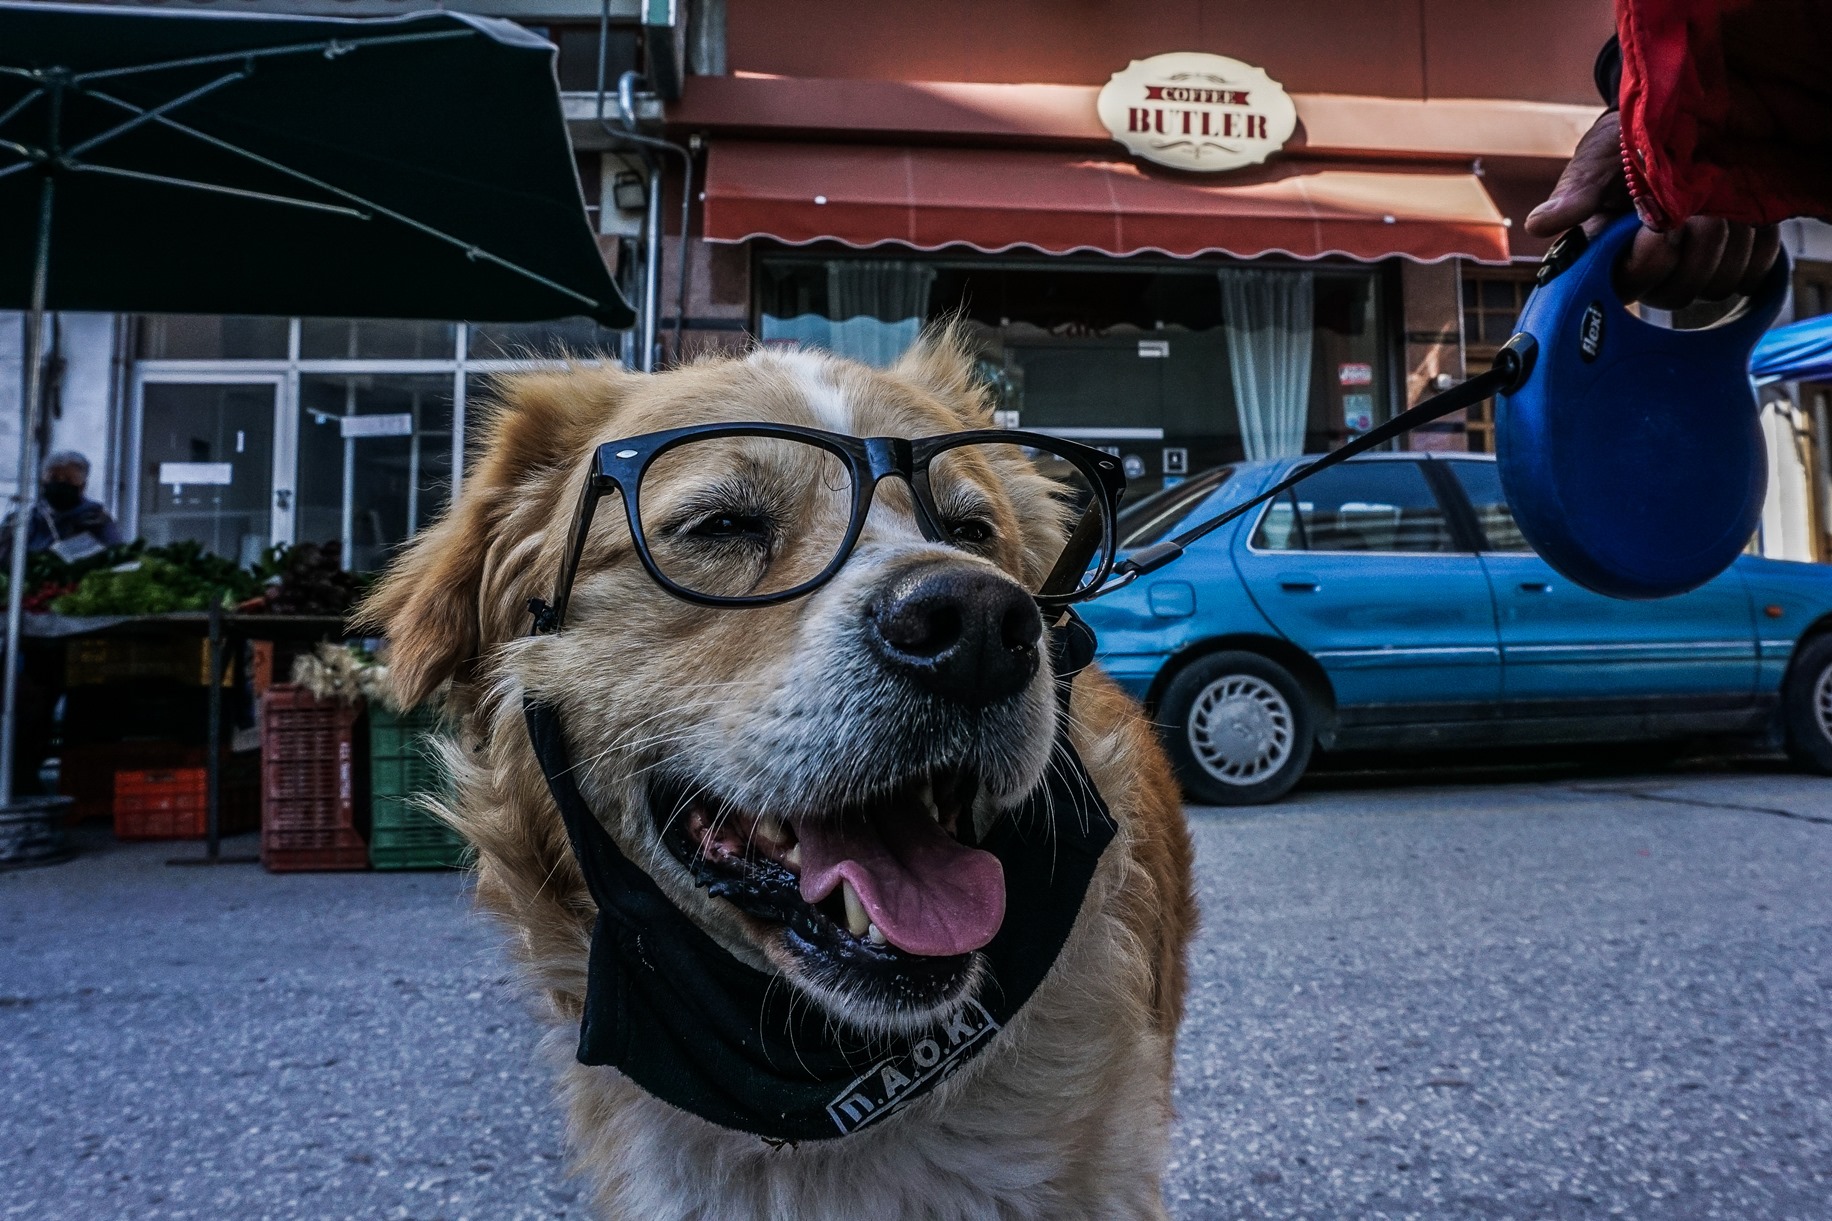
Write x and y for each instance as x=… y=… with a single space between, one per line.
x=1057 y=202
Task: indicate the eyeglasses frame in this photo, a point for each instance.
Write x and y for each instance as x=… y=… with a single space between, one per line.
x=621 y=465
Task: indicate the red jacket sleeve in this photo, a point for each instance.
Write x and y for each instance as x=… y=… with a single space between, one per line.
x=1727 y=108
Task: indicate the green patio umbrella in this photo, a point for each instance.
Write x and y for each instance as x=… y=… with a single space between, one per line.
x=204 y=162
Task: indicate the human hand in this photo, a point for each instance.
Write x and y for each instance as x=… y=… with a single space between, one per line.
x=1704 y=259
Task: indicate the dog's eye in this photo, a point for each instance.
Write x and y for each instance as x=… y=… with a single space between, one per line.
x=970 y=531
x=735 y=527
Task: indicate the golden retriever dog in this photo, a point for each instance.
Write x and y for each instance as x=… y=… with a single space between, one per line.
x=766 y=721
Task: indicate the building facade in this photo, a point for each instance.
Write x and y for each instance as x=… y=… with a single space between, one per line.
x=854 y=173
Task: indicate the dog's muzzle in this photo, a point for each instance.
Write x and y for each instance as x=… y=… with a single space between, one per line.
x=697 y=1028
x=961 y=633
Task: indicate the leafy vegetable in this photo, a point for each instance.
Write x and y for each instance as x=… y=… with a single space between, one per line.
x=179 y=577
x=307 y=579
x=48 y=575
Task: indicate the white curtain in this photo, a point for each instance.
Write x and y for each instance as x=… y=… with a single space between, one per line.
x=1269 y=320
x=875 y=311
x=1787 y=508
x=878 y=307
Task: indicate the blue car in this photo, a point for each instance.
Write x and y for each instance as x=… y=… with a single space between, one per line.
x=1391 y=602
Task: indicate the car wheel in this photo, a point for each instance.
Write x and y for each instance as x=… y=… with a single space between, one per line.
x=1238 y=729
x=1806 y=706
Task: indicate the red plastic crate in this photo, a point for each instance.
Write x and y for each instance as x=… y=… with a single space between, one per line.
x=308 y=782
x=305 y=851
x=86 y=770
x=173 y=803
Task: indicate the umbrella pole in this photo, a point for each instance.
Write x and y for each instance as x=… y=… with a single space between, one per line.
x=28 y=487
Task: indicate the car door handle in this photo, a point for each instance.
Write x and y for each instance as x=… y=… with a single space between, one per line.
x=1299 y=583
x=1536 y=587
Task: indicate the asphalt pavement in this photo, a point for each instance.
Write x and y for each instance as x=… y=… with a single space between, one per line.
x=1540 y=991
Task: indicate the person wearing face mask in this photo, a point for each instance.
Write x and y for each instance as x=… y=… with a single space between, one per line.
x=63 y=519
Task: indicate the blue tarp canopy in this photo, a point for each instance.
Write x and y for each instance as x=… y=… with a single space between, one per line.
x=1798 y=353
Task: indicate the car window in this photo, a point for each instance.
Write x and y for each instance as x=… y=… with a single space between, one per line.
x=1358 y=506
x=1481 y=482
x=1144 y=523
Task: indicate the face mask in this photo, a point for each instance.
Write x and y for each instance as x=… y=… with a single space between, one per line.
x=61 y=496
x=681 y=1017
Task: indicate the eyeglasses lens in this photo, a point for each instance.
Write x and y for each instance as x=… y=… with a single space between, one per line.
x=744 y=516
x=982 y=492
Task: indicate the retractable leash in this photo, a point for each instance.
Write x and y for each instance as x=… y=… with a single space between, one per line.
x=1632 y=455
x=1633 y=458
x=1513 y=365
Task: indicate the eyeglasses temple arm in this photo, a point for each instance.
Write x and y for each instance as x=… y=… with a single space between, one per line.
x=547 y=618
x=1082 y=547
x=1513 y=365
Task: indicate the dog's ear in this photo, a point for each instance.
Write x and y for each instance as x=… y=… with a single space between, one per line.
x=941 y=362
x=433 y=605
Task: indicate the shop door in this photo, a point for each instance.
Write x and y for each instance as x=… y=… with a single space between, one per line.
x=1150 y=398
x=207 y=465
x=374 y=460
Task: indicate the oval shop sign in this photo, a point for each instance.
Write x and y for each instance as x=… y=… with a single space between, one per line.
x=1195 y=111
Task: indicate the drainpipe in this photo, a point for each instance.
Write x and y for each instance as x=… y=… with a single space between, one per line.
x=624 y=131
x=650 y=316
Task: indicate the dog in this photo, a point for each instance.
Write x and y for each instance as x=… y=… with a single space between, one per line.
x=724 y=715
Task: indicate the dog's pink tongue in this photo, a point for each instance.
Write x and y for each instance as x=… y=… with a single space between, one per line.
x=928 y=893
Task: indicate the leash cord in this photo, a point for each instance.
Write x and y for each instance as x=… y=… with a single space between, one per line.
x=1513 y=365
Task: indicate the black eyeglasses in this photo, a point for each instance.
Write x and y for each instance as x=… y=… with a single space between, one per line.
x=757 y=514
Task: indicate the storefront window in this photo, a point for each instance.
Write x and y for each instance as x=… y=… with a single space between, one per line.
x=868 y=309
x=575 y=337
x=206 y=465
x=211 y=337
x=375 y=460
x=240 y=446
x=1492 y=301
x=1175 y=367
x=374 y=339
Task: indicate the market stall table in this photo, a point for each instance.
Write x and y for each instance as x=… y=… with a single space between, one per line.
x=146 y=151
x=223 y=630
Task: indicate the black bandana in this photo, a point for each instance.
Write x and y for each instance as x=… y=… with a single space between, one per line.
x=681 y=1017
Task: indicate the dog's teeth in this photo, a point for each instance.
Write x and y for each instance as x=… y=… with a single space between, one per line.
x=875 y=935
x=769 y=829
x=928 y=801
x=792 y=858
x=857 y=921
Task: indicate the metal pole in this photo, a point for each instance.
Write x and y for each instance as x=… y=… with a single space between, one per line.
x=27 y=494
x=213 y=761
x=462 y=353
x=413 y=470
x=651 y=272
x=348 y=518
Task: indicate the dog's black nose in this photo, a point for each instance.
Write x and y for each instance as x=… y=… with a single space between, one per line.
x=962 y=633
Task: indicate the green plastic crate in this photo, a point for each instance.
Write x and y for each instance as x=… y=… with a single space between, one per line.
x=403 y=766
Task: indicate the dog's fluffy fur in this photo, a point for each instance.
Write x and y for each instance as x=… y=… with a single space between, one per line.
x=1066 y=1115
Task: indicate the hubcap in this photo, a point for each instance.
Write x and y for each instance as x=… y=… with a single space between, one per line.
x=1822 y=701
x=1241 y=732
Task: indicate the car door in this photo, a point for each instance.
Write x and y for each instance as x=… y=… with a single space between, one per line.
x=1566 y=649
x=1360 y=566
